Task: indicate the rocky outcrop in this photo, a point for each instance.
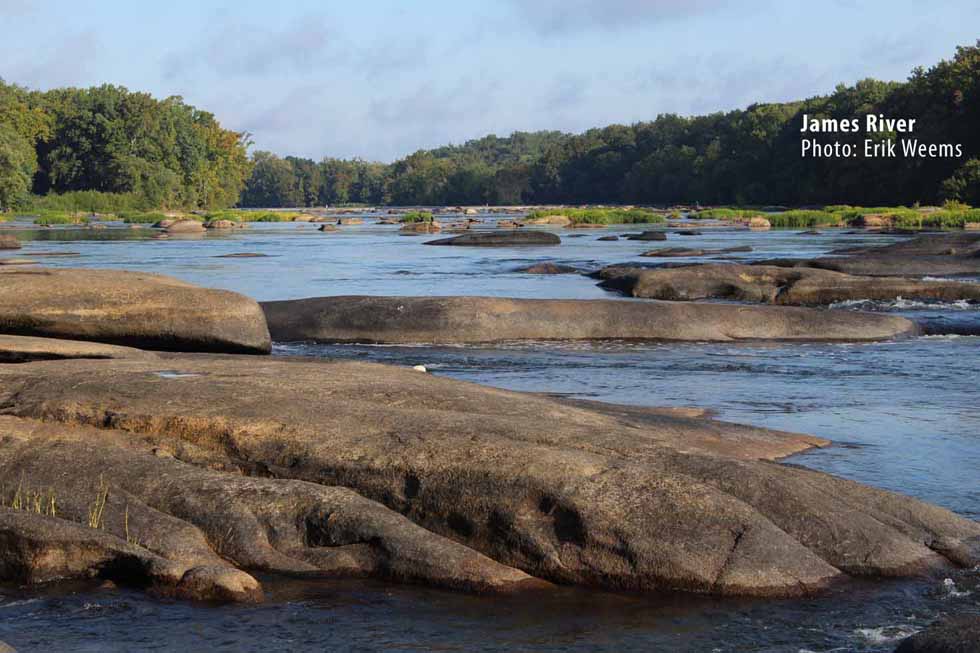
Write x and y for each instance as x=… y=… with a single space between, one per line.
x=198 y=517
x=776 y=285
x=647 y=235
x=238 y=455
x=488 y=319
x=23 y=349
x=137 y=309
x=40 y=548
x=221 y=224
x=954 y=634
x=952 y=254
x=421 y=227
x=9 y=242
x=554 y=220
x=499 y=239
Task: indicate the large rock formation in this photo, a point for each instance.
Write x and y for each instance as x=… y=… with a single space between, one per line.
x=138 y=309
x=954 y=634
x=245 y=457
x=951 y=254
x=499 y=239
x=488 y=319
x=24 y=349
x=776 y=285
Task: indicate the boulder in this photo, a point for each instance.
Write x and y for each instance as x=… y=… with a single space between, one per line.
x=148 y=311
x=305 y=217
x=556 y=220
x=350 y=221
x=220 y=224
x=647 y=235
x=470 y=212
x=776 y=285
x=327 y=227
x=499 y=239
x=953 y=634
x=972 y=226
x=421 y=227
x=9 y=242
x=239 y=454
x=23 y=349
x=758 y=223
x=608 y=238
x=489 y=319
x=548 y=268
x=184 y=227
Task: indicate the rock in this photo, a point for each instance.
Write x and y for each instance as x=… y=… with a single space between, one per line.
x=220 y=224
x=608 y=238
x=305 y=217
x=608 y=497
x=548 y=268
x=421 y=227
x=811 y=232
x=648 y=235
x=470 y=212
x=688 y=232
x=670 y=252
x=489 y=319
x=327 y=227
x=163 y=224
x=758 y=223
x=972 y=226
x=96 y=225
x=243 y=255
x=9 y=242
x=872 y=221
x=148 y=311
x=776 y=285
x=954 y=634
x=201 y=515
x=22 y=349
x=185 y=227
x=945 y=254
x=586 y=225
x=557 y=220
x=40 y=548
x=17 y=261
x=498 y=239
x=509 y=224
x=350 y=221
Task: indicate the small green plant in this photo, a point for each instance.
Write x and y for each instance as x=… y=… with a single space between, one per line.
x=39 y=501
x=417 y=216
x=97 y=509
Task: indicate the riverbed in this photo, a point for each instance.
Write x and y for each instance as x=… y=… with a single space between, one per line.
x=903 y=415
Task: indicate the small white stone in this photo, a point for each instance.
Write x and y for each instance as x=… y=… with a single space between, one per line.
x=420 y=368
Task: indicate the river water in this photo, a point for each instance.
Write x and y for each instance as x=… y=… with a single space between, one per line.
x=903 y=415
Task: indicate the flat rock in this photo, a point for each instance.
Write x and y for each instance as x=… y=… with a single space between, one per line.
x=23 y=349
x=137 y=309
x=184 y=227
x=489 y=319
x=647 y=235
x=17 y=261
x=776 y=285
x=674 y=252
x=499 y=239
x=243 y=255
x=548 y=268
x=242 y=452
x=9 y=242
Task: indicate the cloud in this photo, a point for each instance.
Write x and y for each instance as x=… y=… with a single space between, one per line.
x=230 y=46
x=70 y=63
x=551 y=17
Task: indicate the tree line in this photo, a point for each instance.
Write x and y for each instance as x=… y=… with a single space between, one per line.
x=172 y=154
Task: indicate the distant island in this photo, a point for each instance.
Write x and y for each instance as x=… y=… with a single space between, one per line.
x=110 y=149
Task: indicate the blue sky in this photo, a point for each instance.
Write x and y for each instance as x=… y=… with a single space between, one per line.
x=380 y=79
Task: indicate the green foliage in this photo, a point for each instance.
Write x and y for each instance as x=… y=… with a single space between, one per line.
x=602 y=215
x=417 y=216
x=88 y=201
x=141 y=217
x=803 y=218
x=937 y=219
x=47 y=217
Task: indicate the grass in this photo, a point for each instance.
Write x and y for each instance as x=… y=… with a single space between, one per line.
x=953 y=215
x=85 y=201
x=239 y=215
x=602 y=216
x=725 y=214
x=142 y=217
x=417 y=216
x=49 y=217
x=942 y=219
x=803 y=218
x=39 y=501
x=97 y=509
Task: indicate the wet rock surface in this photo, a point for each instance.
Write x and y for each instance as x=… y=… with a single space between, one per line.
x=499 y=239
x=488 y=319
x=955 y=634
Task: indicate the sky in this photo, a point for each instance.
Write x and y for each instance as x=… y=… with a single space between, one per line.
x=380 y=79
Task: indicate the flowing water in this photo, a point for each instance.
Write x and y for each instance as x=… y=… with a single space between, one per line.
x=903 y=415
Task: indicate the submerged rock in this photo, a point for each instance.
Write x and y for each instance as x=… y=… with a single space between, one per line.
x=250 y=464
x=776 y=285
x=149 y=311
x=548 y=268
x=954 y=634
x=489 y=319
x=9 y=242
x=499 y=239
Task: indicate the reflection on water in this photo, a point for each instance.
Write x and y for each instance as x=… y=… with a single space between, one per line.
x=903 y=415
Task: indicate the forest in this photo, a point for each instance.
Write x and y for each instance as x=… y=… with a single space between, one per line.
x=165 y=153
